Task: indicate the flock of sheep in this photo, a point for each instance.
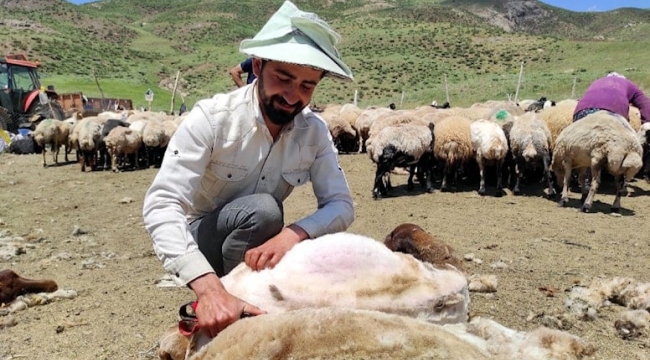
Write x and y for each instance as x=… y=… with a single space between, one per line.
x=435 y=143
x=110 y=135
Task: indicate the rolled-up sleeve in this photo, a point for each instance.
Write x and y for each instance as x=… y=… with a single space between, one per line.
x=335 y=207
x=169 y=198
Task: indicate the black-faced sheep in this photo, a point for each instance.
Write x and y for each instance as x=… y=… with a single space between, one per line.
x=402 y=145
x=599 y=140
x=491 y=146
x=453 y=147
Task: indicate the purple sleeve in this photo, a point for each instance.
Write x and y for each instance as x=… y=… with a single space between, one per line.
x=642 y=102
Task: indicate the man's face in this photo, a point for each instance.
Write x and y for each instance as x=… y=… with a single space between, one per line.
x=284 y=89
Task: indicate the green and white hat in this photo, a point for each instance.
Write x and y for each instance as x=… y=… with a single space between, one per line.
x=298 y=37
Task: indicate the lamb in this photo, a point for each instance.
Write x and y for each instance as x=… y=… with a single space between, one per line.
x=123 y=141
x=529 y=140
x=453 y=146
x=402 y=145
x=597 y=140
x=412 y=239
x=491 y=146
x=341 y=333
x=13 y=285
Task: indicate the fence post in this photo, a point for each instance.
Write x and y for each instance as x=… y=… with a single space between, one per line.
x=573 y=87
x=521 y=72
x=355 y=97
x=401 y=102
x=446 y=88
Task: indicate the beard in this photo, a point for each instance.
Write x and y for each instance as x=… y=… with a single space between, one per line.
x=277 y=116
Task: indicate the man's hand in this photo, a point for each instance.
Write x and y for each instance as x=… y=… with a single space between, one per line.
x=271 y=252
x=217 y=308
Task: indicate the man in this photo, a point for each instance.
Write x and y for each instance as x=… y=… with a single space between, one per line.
x=217 y=198
x=245 y=67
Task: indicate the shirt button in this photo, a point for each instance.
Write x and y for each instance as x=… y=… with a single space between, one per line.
x=229 y=176
x=298 y=181
x=263 y=177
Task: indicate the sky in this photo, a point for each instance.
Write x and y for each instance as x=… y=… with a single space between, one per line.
x=574 y=5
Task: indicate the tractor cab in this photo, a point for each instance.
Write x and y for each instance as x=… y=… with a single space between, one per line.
x=22 y=96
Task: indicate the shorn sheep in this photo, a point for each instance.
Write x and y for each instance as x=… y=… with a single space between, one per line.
x=343 y=333
x=55 y=133
x=491 y=146
x=599 y=140
x=363 y=301
x=402 y=145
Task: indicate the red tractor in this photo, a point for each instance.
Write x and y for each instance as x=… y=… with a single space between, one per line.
x=21 y=95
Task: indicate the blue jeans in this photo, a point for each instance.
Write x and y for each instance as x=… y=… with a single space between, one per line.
x=225 y=234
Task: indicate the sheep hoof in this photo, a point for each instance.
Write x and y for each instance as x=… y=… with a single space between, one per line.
x=430 y=191
x=481 y=191
x=499 y=193
x=585 y=208
x=516 y=191
x=562 y=202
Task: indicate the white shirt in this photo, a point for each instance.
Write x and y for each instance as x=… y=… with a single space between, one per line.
x=222 y=151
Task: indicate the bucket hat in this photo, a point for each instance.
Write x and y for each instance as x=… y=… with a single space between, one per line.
x=298 y=37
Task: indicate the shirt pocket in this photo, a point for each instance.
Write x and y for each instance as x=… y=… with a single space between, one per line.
x=224 y=180
x=290 y=180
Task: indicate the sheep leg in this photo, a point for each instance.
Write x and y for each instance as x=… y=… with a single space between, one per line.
x=520 y=163
x=620 y=187
x=113 y=155
x=44 y=163
x=595 y=181
x=445 y=175
x=410 y=185
x=582 y=182
x=66 y=148
x=566 y=178
x=499 y=173
x=481 y=168
x=456 y=170
x=547 y=173
x=55 y=153
x=379 y=189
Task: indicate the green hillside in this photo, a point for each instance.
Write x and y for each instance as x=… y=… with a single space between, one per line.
x=400 y=51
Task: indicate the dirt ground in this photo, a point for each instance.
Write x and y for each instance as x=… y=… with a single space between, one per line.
x=120 y=313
